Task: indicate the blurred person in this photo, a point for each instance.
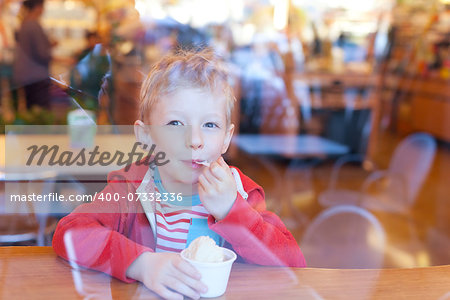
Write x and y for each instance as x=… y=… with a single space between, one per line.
x=93 y=63
x=123 y=34
x=222 y=40
x=7 y=25
x=92 y=39
x=441 y=52
x=33 y=56
x=317 y=42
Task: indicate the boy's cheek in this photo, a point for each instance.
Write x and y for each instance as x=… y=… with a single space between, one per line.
x=173 y=150
x=169 y=139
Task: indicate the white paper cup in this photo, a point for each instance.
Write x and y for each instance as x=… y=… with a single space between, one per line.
x=214 y=275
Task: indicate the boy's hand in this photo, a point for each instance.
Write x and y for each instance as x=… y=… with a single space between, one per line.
x=217 y=189
x=168 y=275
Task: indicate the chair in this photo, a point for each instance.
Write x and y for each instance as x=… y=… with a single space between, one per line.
x=24 y=221
x=344 y=236
x=397 y=187
x=336 y=195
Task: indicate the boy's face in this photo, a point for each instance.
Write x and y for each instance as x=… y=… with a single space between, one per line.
x=189 y=125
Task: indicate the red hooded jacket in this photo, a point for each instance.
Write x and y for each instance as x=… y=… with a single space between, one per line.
x=109 y=235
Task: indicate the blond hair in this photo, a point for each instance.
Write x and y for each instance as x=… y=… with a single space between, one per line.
x=188 y=69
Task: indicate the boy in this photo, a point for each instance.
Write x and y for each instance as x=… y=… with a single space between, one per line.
x=187 y=101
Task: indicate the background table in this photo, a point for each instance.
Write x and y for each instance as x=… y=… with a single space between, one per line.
x=37 y=273
x=288 y=145
x=263 y=147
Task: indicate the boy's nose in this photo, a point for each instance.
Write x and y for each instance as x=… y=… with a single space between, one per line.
x=195 y=140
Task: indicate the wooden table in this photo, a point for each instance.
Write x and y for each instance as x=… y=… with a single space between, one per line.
x=37 y=273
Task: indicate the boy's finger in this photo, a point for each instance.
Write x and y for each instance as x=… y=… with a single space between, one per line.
x=212 y=179
x=180 y=287
x=225 y=167
x=195 y=284
x=201 y=190
x=222 y=162
x=166 y=293
x=204 y=183
x=187 y=269
x=217 y=171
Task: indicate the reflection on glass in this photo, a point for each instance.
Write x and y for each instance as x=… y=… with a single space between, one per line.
x=342 y=103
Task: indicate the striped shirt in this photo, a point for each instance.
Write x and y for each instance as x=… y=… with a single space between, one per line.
x=173 y=219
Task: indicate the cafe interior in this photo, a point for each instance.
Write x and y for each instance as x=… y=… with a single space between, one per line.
x=342 y=116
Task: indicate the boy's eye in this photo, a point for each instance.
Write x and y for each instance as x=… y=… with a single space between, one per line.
x=211 y=125
x=175 y=123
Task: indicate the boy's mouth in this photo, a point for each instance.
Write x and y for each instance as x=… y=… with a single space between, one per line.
x=196 y=163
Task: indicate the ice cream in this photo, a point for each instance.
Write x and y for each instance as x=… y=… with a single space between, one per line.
x=204 y=162
x=204 y=249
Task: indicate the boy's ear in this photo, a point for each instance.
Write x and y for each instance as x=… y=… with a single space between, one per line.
x=142 y=133
x=227 y=140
